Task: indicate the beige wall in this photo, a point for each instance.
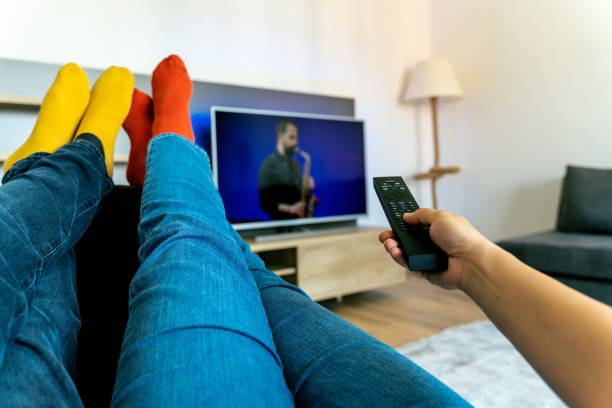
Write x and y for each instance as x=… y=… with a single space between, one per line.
x=538 y=82
x=355 y=47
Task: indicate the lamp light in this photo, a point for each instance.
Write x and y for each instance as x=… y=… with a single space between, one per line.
x=431 y=80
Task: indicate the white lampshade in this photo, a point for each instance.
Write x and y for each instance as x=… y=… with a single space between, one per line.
x=434 y=77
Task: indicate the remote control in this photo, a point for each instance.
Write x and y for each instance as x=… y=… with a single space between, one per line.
x=419 y=251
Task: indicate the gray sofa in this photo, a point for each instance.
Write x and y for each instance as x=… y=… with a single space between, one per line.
x=579 y=251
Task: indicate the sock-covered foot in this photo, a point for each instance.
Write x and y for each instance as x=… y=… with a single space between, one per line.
x=59 y=116
x=110 y=101
x=138 y=127
x=172 y=89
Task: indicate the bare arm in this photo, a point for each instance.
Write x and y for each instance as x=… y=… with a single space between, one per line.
x=565 y=335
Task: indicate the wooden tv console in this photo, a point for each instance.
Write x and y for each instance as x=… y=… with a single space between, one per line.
x=330 y=266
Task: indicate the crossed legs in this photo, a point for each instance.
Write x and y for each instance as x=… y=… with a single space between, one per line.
x=197 y=331
x=46 y=204
x=47 y=201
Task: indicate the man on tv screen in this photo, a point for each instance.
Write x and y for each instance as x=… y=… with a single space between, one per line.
x=281 y=182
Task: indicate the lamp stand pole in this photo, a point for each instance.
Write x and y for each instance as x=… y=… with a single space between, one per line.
x=433 y=101
x=436 y=171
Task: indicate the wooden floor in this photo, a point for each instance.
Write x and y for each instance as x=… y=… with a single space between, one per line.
x=406 y=312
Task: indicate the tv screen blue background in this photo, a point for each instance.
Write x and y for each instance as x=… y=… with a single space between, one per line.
x=200 y=122
x=244 y=140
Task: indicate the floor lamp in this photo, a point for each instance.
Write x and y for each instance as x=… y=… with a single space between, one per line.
x=431 y=80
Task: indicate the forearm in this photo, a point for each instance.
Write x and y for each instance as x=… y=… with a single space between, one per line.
x=566 y=336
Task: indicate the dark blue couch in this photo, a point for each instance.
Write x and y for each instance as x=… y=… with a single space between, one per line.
x=579 y=251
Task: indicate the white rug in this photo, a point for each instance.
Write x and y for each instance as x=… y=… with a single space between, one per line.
x=482 y=366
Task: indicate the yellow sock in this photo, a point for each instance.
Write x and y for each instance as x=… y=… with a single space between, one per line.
x=110 y=101
x=59 y=116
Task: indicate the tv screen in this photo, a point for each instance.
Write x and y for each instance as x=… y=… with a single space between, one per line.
x=283 y=168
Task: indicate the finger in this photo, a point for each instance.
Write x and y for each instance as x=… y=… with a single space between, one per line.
x=390 y=244
x=385 y=235
x=422 y=216
x=396 y=255
x=393 y=249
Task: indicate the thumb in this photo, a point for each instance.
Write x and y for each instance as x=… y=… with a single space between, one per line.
x=422 y=216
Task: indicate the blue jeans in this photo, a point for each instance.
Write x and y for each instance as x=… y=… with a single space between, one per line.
x=209 y=324
x=46 y=204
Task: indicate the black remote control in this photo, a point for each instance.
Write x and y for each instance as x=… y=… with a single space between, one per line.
x=420 y=252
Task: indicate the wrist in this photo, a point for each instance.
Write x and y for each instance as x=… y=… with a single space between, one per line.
x=477 y=264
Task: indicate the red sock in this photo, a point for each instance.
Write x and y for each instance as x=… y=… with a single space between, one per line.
x=172 y=89
x=138 y=127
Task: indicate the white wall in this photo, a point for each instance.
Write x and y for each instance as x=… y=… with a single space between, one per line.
x=538 y=82
x=537 y=77
x=336 y=45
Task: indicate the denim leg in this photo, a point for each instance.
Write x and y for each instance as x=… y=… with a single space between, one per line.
x=197 y=333
x=329 y=362
x=39 y=365
x=46 y=204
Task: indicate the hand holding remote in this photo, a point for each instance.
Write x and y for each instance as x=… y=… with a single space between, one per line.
x=564 y=334
x=453 y=234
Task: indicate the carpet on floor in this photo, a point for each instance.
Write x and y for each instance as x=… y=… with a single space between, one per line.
x=482 y=366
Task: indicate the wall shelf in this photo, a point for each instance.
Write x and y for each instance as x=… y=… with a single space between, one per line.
x=35 y=102
x=118 y=159
x=20 y=100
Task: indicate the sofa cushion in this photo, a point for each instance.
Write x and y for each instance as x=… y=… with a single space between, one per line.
x=586 y=200
x=565 y=253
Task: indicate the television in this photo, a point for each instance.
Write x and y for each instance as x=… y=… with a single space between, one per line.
x=283 y=169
